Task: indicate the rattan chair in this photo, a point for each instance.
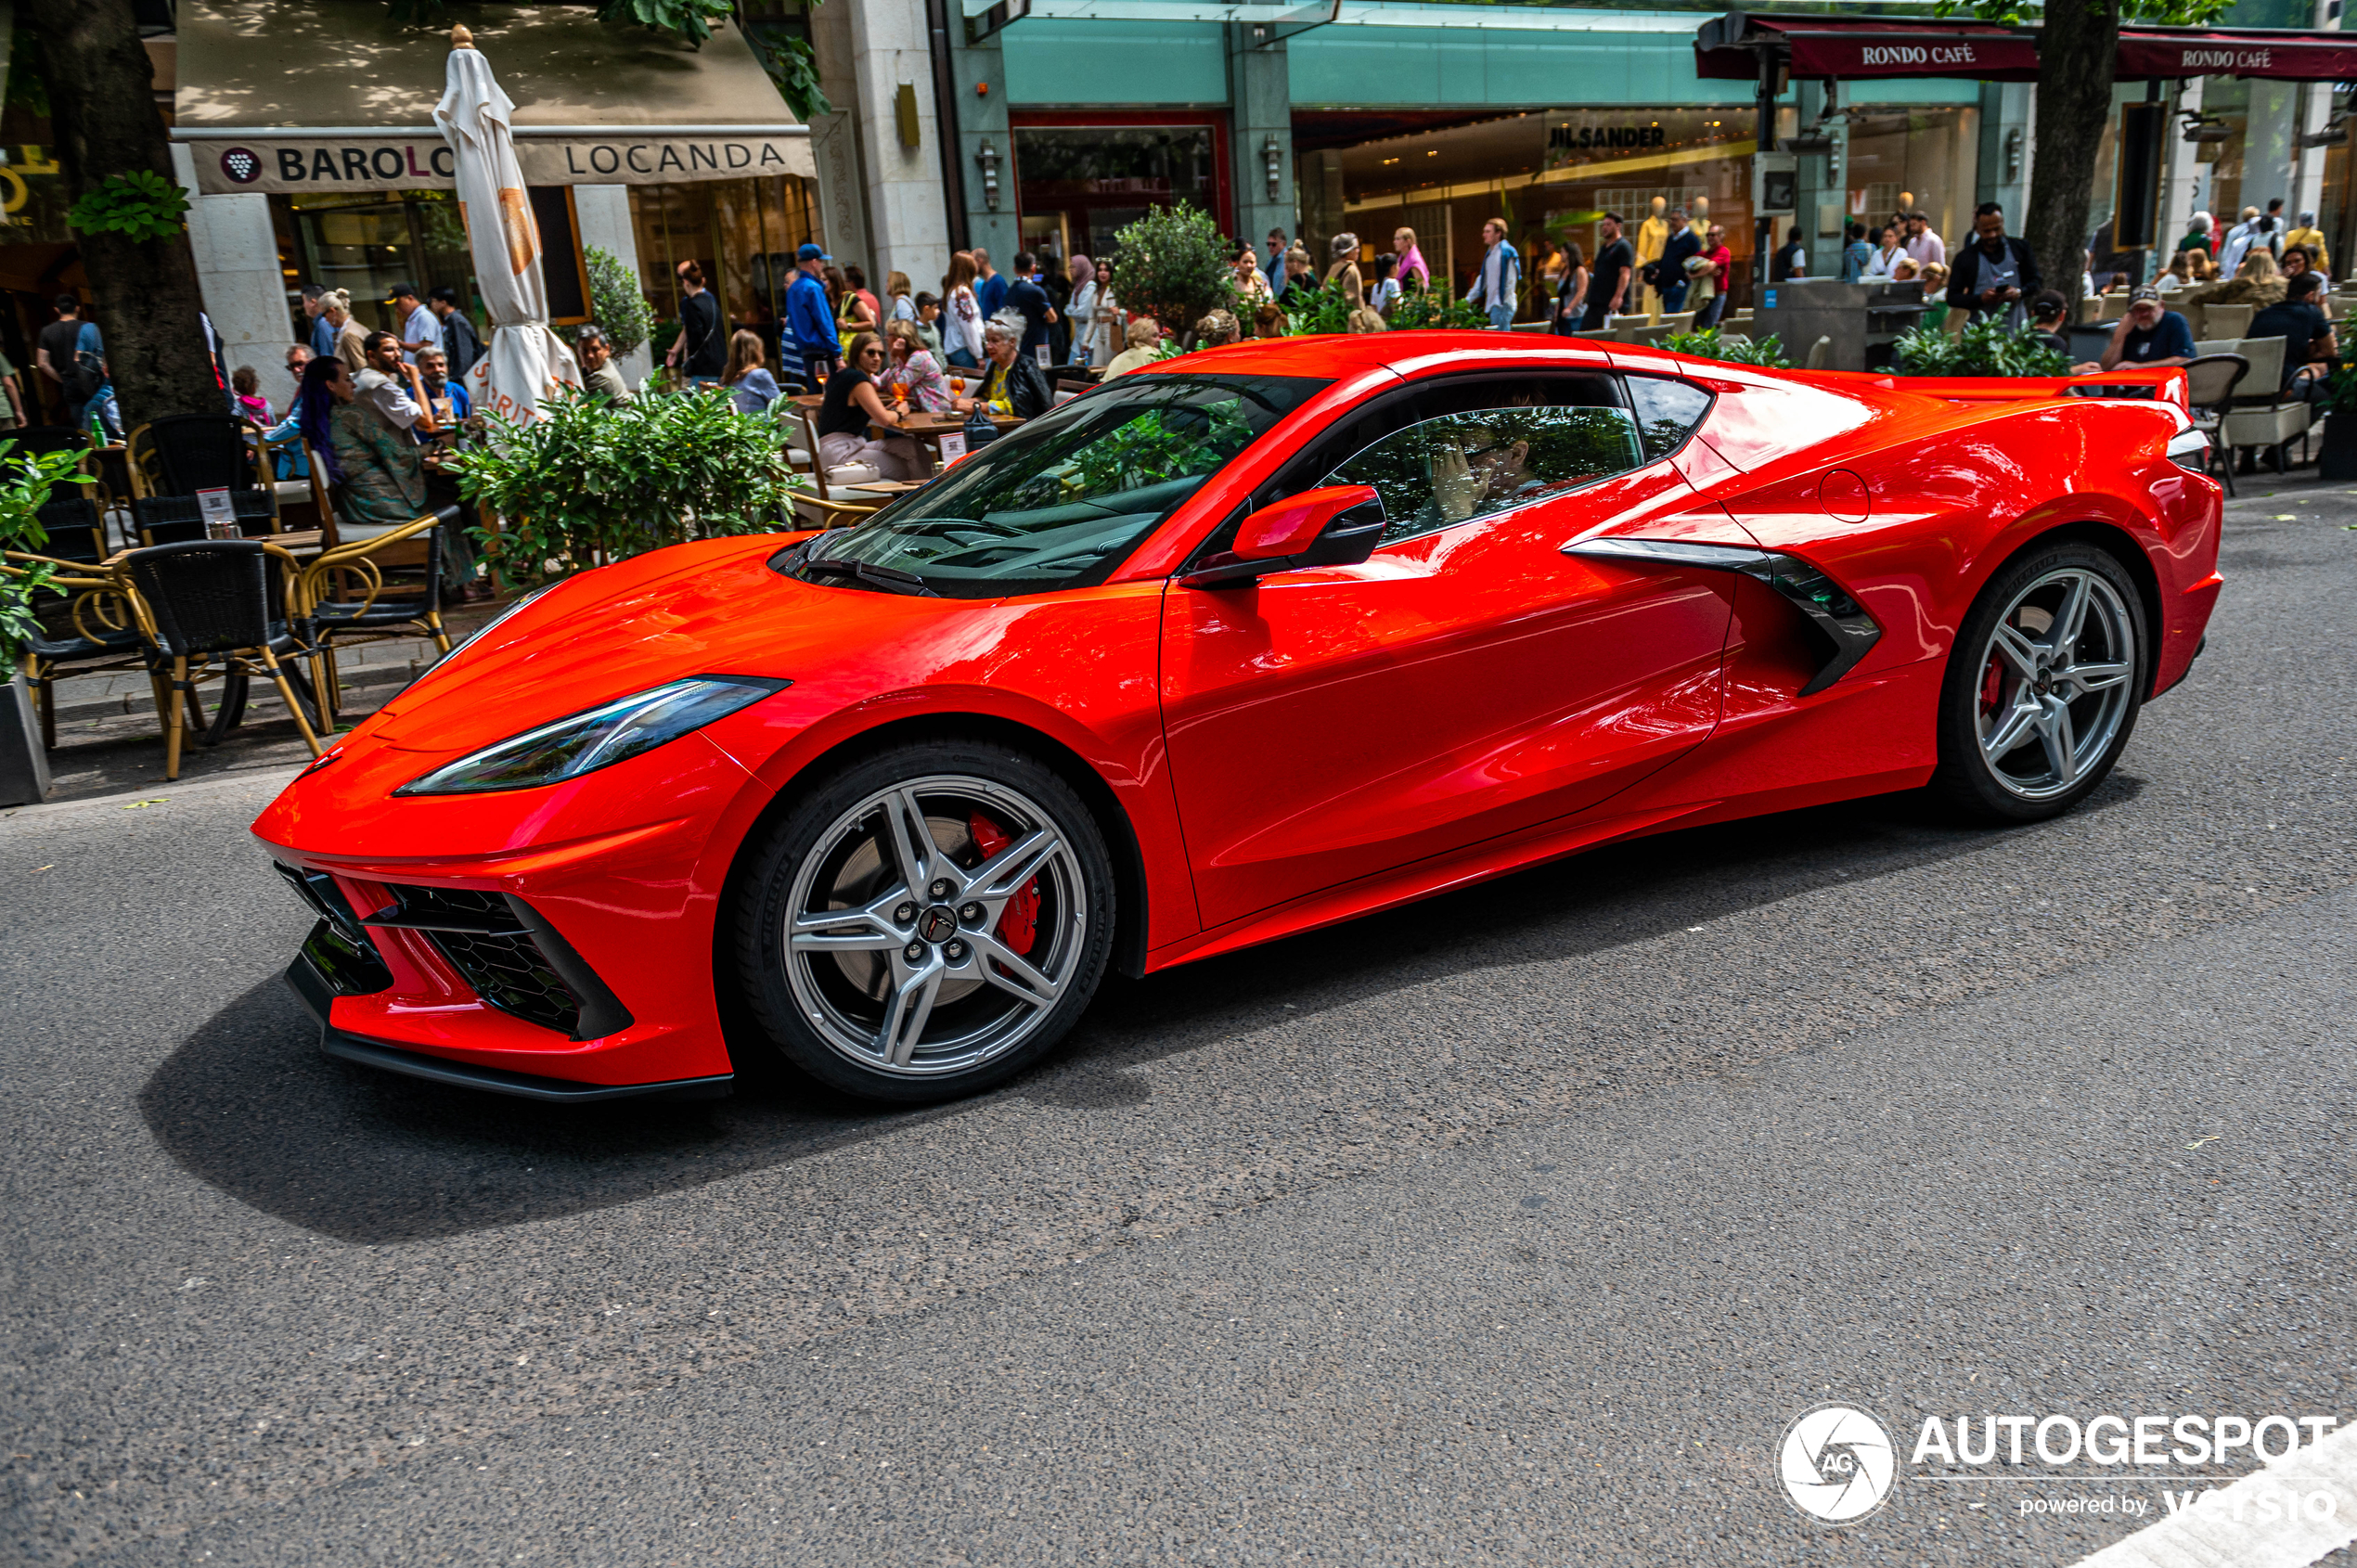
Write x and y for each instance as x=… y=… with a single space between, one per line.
x=219 y=599
x=181 y=453
x=84 y=624
x=348 y=599
x=77 y=532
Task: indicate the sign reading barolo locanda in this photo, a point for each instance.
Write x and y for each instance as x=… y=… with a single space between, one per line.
x=280 y=161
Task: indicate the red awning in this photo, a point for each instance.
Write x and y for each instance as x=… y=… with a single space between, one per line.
x=2145 y=53
x=1728 y=48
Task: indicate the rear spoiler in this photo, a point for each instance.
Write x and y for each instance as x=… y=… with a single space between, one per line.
x=2164 y=385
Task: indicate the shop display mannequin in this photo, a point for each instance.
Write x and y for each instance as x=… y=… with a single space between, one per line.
x=1652 y=236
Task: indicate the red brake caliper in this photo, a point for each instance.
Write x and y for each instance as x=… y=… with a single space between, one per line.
x=1993 y=687
x=1019 y=921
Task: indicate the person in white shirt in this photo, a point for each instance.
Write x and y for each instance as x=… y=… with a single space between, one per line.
x=420 y=328
x=1922 y=244
x=391 y=389
x=1888 y=252
x=2238 y=240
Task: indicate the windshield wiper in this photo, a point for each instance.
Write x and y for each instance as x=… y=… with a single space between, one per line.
x=889 y=579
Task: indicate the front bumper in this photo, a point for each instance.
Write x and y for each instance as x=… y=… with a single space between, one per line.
x=329 y=966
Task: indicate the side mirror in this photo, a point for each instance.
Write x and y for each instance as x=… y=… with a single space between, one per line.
x=1333 y=525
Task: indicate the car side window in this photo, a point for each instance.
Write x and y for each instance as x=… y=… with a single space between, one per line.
x=1445 y=469
x=1667 y=411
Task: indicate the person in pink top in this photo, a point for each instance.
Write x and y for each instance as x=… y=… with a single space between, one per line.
x=1921 y=243
x=1411 y=261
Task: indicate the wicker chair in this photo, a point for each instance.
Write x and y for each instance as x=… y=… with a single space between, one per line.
x=221 y=598
x=84 y=624
x=47 y=438
x=184 y=453
x=408 y=605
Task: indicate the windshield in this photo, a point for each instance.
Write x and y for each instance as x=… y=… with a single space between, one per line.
x=1063 y=500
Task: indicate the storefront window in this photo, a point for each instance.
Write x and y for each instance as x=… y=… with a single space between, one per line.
x=366 y=242
x=743 y=233
x=1077 y=186
x=1927 y=157
x=1549 y=174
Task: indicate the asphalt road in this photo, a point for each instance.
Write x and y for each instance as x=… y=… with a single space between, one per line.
x=1512 y=1228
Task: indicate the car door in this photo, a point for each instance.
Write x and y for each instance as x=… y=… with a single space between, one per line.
x=1467 y=680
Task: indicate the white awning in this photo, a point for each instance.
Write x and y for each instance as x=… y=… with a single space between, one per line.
x=313 y=96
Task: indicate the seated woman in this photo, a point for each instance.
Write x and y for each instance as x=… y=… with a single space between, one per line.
x=2257 y=282
x=751 y=387
x=382 y=477
x=1144 y=338
x=914 y=372
x=1011 y=383
x=851 y=405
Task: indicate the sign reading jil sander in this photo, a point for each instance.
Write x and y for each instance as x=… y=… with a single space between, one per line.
x=284 y=162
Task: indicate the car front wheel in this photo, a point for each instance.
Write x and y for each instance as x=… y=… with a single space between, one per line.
x=927 y=922
x=2044 y=686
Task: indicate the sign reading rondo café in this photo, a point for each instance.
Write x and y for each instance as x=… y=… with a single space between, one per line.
x=284 y=160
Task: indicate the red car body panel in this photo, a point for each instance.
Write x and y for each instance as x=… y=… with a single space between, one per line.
x=1282 y=754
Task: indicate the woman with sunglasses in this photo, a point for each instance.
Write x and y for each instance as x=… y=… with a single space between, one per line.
x=851 y=405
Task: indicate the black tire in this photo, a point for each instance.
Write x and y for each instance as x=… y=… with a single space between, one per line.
x=1984 y=683
x=832 y=850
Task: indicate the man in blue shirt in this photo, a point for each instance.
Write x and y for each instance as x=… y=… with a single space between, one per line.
x=807 y=317
x=990 y=285
x=1499 y=283
x=2147 y=338
x=1038 y=312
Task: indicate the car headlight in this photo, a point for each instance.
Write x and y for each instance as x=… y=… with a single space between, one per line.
x=602 y=736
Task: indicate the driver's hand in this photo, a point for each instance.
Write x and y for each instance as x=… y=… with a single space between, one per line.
x=1454 y=489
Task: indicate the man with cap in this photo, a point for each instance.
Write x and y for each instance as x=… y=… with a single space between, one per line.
x=809 y=318
x=2147 y=338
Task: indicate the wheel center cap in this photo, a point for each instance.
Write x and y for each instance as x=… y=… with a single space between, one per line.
x=938 y=924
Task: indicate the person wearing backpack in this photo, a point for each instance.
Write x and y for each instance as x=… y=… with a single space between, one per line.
x=71 y=353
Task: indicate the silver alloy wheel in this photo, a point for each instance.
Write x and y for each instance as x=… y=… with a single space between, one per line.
x=900 y=946
x=2055 y=683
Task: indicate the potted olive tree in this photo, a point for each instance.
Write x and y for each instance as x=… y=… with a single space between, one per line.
x=24 y=486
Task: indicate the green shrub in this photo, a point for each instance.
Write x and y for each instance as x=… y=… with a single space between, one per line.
x=591 y=481
x=1708 y=344
x=615 y=303
x=25 y=482
x=1985 y=348
x=1172 y=265
x=1419 y=310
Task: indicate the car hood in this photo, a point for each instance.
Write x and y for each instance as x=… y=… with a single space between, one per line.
x=711 y=608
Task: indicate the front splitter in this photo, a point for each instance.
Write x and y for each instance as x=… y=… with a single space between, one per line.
x=311 y=989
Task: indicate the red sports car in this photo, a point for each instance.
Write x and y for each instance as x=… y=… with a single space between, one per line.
x=1251 y=641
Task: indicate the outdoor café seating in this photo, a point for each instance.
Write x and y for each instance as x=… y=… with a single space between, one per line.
x=225 y=599
x=372 y=590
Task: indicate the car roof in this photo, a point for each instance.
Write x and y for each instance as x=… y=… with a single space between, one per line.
x=1340 y=353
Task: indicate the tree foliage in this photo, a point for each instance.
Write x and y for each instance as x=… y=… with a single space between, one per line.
x=139 y=205
x=592 y=480
x=615 y=303
x=688 y=20
x=1172 y=265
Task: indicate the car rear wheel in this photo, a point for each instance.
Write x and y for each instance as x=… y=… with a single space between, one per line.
x=927 y=922
x=2044 y=686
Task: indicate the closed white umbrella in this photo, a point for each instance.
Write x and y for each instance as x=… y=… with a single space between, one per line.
x=524 y=362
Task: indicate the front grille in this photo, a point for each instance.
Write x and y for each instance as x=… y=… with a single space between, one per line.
x=501 y=961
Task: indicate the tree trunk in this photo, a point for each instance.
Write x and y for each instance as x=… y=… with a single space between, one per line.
x=2078 y=47
x=103 y=116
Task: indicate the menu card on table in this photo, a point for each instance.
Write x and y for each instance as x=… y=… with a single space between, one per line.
x=220 y=513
